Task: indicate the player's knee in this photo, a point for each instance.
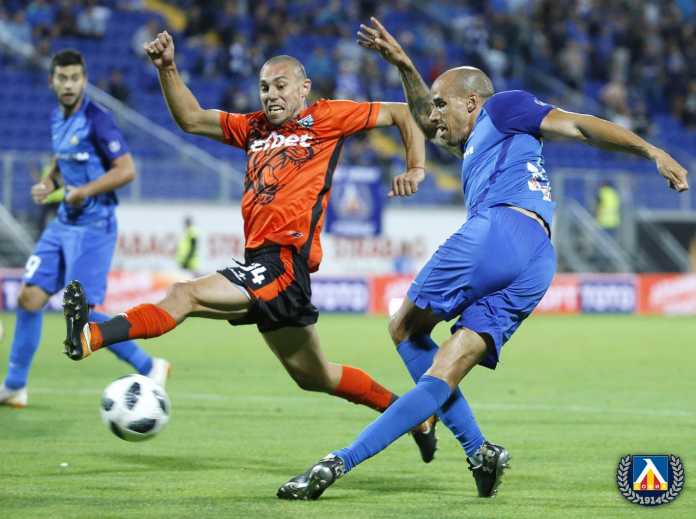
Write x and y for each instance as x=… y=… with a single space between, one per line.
x=397 y=328
x=32 y=299
x=181 y=294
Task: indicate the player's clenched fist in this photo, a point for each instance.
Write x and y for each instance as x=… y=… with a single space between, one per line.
x=161 y=50
x=407 y=183
x=40 y=191
x=379 y=39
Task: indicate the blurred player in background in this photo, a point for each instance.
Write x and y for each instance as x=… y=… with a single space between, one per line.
x=187 y=250
x=292 y=151
x=92 y=159
x=492 y=272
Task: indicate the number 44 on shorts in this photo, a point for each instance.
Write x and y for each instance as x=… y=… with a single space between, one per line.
x=256 y=271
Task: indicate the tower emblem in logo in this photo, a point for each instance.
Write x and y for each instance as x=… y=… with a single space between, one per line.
x=650 y=479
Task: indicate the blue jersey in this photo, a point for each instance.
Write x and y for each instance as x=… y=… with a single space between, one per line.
x=502 y=162
x=85 y=144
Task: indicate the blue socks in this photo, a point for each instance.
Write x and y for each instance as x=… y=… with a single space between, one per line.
x=127 y=351
x=27 y=336
x=417 y=354
x=399 y=418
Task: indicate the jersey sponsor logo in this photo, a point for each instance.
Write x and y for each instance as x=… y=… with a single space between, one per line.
x=82 y=156
x=277 y=140
x=306 y=121
x=275 y=154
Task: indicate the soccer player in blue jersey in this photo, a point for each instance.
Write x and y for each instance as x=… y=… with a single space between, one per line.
x=92 y=159
x=492 y=272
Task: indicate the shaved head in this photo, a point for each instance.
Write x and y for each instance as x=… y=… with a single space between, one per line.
x=289 y=60
x=467 y=80
x=457 y=96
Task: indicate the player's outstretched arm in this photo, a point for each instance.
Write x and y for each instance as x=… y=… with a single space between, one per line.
x=604 y=134
x=417 y=92
x=397 y=114
x=182 y=104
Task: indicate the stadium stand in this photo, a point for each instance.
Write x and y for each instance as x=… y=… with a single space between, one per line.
x=638 y=70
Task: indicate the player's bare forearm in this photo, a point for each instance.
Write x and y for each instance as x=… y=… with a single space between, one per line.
x=418 y=96
x=122 y=172
x=184 y=106
x=412 y=137
x=607 y=135
x=181 y=102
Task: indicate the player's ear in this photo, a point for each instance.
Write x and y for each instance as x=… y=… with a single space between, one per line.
x=306 y=87
x=472 y=102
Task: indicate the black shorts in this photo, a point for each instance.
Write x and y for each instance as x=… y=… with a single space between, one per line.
x=277 y=279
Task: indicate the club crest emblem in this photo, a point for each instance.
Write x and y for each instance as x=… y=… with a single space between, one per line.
x=650 y=479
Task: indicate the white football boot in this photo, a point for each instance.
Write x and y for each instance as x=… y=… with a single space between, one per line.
x=160 y=371
x=13 y=397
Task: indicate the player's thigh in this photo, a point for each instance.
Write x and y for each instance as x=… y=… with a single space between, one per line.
x=88 y=254
x=212 y=296
x=45 y=267
x=500 y=314
x=299 y=350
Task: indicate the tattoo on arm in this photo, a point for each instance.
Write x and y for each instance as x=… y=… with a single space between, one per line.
x=419 y=100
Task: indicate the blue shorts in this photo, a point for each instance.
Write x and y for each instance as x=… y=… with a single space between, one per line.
x=66 y=252
x=491 y=274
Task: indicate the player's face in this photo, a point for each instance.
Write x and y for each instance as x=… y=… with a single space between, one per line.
x=283 y=92
x=69 y=84
x=452 y=114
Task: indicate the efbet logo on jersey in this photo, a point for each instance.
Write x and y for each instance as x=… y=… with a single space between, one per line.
x=277 y=140
x=650 y=479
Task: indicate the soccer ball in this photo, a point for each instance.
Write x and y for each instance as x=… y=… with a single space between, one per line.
x=135 y=408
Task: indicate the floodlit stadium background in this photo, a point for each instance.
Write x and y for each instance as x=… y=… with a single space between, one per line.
x=573 y=392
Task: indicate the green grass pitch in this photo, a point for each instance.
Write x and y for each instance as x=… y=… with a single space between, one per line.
x=573 y=395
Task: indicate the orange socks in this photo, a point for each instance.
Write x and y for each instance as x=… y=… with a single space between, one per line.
x=140 y=322
x=360 y=388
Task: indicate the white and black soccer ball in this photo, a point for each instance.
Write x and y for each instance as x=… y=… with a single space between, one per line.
x=135 y=408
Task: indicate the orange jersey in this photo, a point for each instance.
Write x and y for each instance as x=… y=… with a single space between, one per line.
x=289 y=170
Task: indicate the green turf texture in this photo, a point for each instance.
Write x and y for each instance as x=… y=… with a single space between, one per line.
x=573 y=395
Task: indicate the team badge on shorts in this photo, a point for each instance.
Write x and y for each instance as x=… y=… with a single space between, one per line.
x=650 y=479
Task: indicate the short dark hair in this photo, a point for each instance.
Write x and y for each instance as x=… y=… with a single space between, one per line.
x=284 y=58
x=68 y=57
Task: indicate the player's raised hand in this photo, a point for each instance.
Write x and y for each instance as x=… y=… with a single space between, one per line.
x=161 y=50
x=40 y=191
x=379 y=39
x=407 y=183
x=672 y=171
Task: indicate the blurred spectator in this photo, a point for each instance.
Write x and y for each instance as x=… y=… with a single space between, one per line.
x=608 y=209
x=16 y=26
x=40 y=13
x=208 y=62
x=143 y=35
x=92 y=20
x=238 y=63
x=689 y=114
x=116 y=86
x=614 y=95
x=692 y=253
x=235 y=100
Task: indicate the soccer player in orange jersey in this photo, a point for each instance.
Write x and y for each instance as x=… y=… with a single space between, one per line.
x=292 y=150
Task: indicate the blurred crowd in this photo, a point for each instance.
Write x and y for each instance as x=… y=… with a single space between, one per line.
x=637 y=58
